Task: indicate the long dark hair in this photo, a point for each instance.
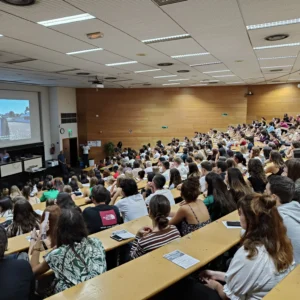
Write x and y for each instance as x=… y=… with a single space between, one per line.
x=175 y=177
x=256 y=169
x=3 y=242
x=293 y=166
x=237 y=182
x=223 y=200
x=193 y=170
x=24 y=217
x=160 y=208
x=265 y=227
x=65 y=201
x=71 y=228
x=239 y=157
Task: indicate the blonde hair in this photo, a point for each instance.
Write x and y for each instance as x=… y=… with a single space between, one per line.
x=14 y=191
x=67 y=189
x=244 y=149
x=129 y=174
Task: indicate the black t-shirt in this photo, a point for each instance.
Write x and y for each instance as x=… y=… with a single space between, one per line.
x=17 y=280
x=222 y=151
x=101 y=217
x=257 y=184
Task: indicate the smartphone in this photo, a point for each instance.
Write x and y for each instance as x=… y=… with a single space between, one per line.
x=116 y=237
x=233 y=223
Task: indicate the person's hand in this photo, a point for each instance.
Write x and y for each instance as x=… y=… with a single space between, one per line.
x=143 y=231
x=179 y=186
x=212 y=284
x=207 y=275
x=33 y=236
x=182 y=203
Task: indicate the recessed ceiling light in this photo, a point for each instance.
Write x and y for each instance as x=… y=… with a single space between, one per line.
x=199 y=84
x=276 y=70
x=220 y=71
x=175 y=83
x=83 y=73
x=65 y=20
x=183 y=71
x=273 y=24
x=224 y=76
x=189 y=55
x=20 y=2
x=144 y=71
x=166 y=38
x=165 y=64
x=180 y=79
x=206 y=64
x=277 y=46
x=141 y=54
x=277 y=57
x=95 y=35
x=84 y=51
x=276 y=37
x=210 y=81
x=287 y=66
x=235 y=82
x=165 y=76
x=122 y=63
x=1 y=35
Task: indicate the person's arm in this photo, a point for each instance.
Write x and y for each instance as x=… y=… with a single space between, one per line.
x=37 y=267
x=43 y=198
x=178 y=217
x=218 y=287
x=270 y=169
x=115 y=197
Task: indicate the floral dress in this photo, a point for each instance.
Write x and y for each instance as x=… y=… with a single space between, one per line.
x=72 y=265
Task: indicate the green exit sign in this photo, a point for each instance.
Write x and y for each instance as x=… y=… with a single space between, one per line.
x=224 y=115
x=70 y=131
x=164 y=127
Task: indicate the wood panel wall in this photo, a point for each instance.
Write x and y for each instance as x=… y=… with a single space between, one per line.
x=273 y=101
x=145 y=111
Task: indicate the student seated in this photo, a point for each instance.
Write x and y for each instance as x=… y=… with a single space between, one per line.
x=219 y=200
x=50 y=193
x=149 y=168
x=266 y=255
x=25 y=219
x=220 y=168
x=136 y=169
x=257 y=174
x=277 y=164
x=132 y=206
x=282 y=190
x=193 y=170
x=165 y=167
x=175 y=179
x=101 y=216
x=206 y=168
x=293 y=172
x=6 y=210
x=14 y=192
x=65 y=201
x=161 y=233
x=77 y=257
x=193 y=213
x=180 y=167
x=17 y=280
x=27 y=190
x=157 y=187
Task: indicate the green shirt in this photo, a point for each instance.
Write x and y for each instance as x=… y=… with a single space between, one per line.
x=209 y=202
x=51 y=194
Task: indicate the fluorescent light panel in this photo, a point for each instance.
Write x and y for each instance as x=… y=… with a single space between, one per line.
x=165 y=76
x=175 y=83
x=236 y=82
x=65 y=20
x=273 y=24
x=1 y=35
x=287 y=66
x=180 y=79
x=277 y=46
x=189 y=55
x=220 y=71
x=277 y=57
x=84 y=51
x=206 y=64
x=166 y=38
x=144 y=71
x=122 y=63
x=209 y=80
x=224 y=76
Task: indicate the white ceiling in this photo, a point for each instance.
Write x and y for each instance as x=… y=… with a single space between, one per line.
x=215 y=26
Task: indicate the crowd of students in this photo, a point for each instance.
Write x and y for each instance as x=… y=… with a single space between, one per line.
x=227 y=169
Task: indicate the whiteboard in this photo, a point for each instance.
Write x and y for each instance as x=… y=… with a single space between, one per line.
x=11 y=169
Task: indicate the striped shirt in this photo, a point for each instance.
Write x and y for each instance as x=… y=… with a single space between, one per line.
x=153 y=241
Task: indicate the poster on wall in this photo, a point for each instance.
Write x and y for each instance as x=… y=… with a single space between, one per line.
x=94 y=143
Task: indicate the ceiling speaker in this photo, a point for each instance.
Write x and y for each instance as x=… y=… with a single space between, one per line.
x=20 y=2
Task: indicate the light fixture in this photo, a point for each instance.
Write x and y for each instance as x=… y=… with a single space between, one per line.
x=122 y=63
x=183 y=71
x=20 y=2
x=166 y=38
x=277 y=57
x=84 y=51
x=276 y=37
x=165 y=76
x=206 y=64
x=174 y=83
x=209 y=80
x=95 y=35
x=165 y=64
x=1 y=35
x=224 y=76
x=189 y=55
x=273 y=24
x=141 y=54
x=199 y=84
x=287 y=66
x=220 y=71
x=276 y=46
x=179 y=79
x=235 y=82
x=144 y=71
x=65 y=20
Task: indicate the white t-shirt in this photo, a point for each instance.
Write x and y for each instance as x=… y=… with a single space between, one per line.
x=148 y=170
x=166 y=157
x=183 y=171
x=86 y=149
x=166 y=174
x=165 y=193
x=132 y=207
x=252 y=279
x=202 y=184
x=156 y=155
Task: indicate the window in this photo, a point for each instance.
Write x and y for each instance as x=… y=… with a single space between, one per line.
x=68 y=118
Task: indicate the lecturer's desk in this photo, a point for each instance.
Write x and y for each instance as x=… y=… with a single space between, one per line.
x=148 y=275
x=288 y=288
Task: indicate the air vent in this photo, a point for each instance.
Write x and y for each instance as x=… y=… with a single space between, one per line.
x=167 y=2
x=20 y=2
x=13 y=62
x=83 y=73
x=110 y=78
x=276 y=70
x=213 y=82
x=276 y=37
x=68 y=70
x=146 y=84
x=165 y=64
x=183 y=71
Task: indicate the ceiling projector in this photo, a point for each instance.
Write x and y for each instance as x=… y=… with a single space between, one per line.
x=98 y=85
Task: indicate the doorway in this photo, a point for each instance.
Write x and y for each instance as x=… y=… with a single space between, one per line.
x=71 y=151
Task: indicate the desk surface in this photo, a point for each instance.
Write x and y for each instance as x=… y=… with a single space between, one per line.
x=135 y=280
x=288 y=288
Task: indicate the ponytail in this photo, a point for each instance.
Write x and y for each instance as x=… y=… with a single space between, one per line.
x=159 y=210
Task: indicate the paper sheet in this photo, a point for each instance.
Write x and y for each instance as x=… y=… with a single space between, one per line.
x=124 y=234
x=181 y=259
x=230 y=227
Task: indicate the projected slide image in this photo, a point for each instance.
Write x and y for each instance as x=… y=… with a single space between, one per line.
x=14 y=119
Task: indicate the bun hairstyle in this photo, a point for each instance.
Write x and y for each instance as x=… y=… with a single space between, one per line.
x=160 y=208
x=265 y=228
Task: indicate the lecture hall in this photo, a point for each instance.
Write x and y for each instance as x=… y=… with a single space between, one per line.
x=149 y=149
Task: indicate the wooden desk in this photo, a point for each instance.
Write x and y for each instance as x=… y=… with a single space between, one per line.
x=152 y=273
x=88 y=169
x=106 y=167
x=288 y=288
x=176 y=193
x=17 y=244
x=142 y=184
